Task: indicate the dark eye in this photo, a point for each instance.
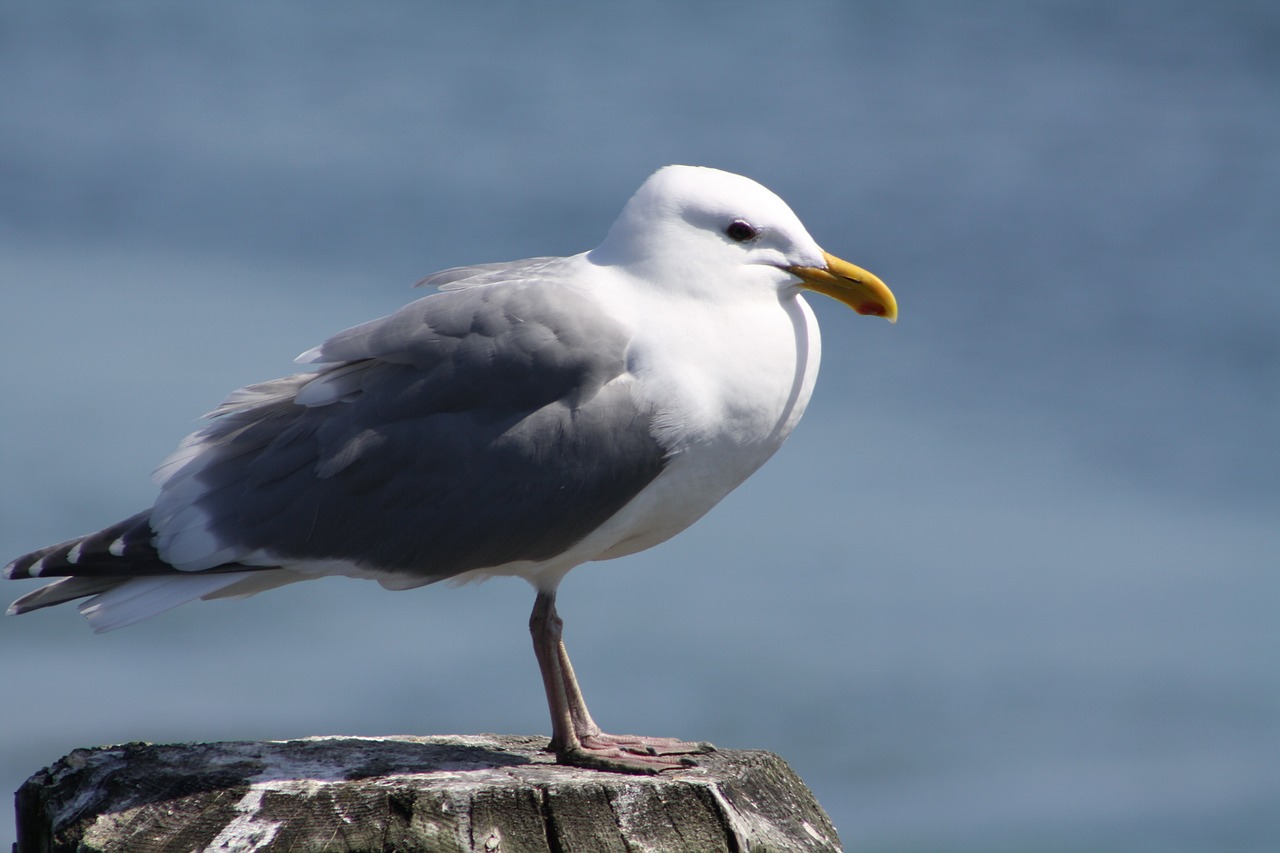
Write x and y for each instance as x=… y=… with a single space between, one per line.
x=741 y=232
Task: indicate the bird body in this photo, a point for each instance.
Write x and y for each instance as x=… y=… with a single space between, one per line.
x=528 y=417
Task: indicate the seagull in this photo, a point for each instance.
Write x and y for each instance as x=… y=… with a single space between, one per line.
x=526 y=418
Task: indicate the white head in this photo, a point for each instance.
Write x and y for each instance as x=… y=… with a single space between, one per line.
x=688 y=226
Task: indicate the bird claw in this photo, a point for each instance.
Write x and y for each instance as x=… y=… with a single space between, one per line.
x=633 y=754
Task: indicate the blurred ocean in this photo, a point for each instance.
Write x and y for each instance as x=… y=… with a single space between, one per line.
x=1011 y=586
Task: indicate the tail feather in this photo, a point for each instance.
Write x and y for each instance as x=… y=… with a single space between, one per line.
x=121 y=569
x=143 y=597
x=60 y=592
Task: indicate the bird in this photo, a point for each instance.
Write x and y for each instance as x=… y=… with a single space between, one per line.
x=523 y=419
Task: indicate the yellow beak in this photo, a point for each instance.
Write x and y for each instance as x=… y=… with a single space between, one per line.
x=850 y=284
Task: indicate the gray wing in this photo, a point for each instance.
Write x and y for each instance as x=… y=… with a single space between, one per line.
x=473 y=427
x=475 y=275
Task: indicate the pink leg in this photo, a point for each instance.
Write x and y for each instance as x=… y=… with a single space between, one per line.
x=575 y=737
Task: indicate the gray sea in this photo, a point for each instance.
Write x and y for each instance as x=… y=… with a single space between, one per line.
x=1011 y=586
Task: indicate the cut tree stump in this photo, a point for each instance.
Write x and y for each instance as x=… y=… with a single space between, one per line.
x=490 y=793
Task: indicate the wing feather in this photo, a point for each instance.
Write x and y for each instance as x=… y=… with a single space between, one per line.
x=474 y=427
x=491 y=422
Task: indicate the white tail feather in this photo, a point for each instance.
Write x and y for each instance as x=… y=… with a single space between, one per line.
x=142 y=598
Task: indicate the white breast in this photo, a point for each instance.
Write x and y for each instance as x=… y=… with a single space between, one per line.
x=726 y=404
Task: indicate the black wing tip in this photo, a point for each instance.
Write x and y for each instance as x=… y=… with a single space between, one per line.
x=30 y=566
x=122 y=549
x=12 y=571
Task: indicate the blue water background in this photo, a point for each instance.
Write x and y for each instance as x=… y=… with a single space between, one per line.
x=1012 y=585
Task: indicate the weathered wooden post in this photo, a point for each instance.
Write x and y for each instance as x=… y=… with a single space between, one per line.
x=490 y=793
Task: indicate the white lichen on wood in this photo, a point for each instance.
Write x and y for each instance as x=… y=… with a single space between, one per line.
x=466 y=793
